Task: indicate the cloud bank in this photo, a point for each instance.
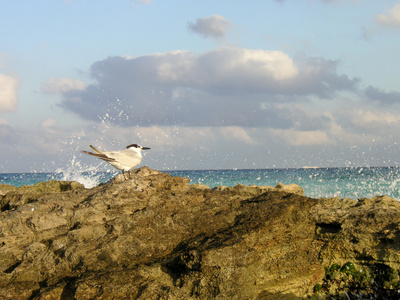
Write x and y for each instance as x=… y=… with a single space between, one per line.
x=227 y=86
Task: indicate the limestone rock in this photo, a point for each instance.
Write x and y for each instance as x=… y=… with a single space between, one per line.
x=290 y=188
x=158 y=237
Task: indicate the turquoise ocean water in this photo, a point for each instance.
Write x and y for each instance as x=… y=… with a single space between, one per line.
x=362 y=182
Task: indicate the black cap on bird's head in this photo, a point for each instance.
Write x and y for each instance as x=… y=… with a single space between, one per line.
x=137 y=147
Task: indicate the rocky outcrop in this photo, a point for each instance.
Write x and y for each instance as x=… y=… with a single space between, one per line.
x=157 y=237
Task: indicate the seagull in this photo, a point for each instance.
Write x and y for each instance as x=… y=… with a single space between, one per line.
x=122 y=160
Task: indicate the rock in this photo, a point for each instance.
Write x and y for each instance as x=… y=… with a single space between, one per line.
x=5 y=188
x=137 y=173
x=158 y=237
x=290 y=188
x=11 y=197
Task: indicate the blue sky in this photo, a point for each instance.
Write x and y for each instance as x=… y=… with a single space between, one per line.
x=205 y=84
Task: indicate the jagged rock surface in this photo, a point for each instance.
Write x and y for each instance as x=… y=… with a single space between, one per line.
x=157 y=237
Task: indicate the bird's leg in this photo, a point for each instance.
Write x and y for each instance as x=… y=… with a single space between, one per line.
x=123 y=174
x=129 y=175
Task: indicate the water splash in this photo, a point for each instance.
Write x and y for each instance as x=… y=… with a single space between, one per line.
x=88 y=176
x=92 y=175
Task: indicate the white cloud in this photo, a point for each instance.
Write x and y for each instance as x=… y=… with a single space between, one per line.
x=62 y=85
x=227 y=86
x=391 y=17
x=245 y=66
x=8 y=93
x=302 y=138
x=214 y=26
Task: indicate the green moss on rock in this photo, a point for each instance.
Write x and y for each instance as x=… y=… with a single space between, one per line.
x=380 y=279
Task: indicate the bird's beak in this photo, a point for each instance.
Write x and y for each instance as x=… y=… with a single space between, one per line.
x=146 y=148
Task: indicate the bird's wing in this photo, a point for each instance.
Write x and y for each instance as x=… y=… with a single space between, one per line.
x=126 y=157
x=96 y=150
x=98 y=155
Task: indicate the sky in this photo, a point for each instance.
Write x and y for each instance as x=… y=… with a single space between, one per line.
x=205 y=84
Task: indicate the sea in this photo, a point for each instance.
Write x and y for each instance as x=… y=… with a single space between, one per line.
x=350 y=182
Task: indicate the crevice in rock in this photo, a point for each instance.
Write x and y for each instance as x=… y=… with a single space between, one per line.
x=364 y=258
x=6 y=207
x=387 y=241
x=48 y=243
x=142 y=210
x=183 y=264
x=60 y=253
x=13 y=267
x=80 y=266
x=76 y=225
x=69 y=290
x=42 y=284
x=327 y=228
x=34 y=294
x=142 y=288
x=30 y=225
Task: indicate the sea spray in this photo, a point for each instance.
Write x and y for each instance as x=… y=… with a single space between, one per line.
x=88 y=176
x=92 y=175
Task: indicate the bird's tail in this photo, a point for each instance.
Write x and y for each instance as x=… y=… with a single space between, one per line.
x=96 y=150
x=100 y=154
x=90 y=153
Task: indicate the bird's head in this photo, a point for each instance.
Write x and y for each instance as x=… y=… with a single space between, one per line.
x=137 y=147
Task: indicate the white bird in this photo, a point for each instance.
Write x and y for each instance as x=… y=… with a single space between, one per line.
x=123 y=160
